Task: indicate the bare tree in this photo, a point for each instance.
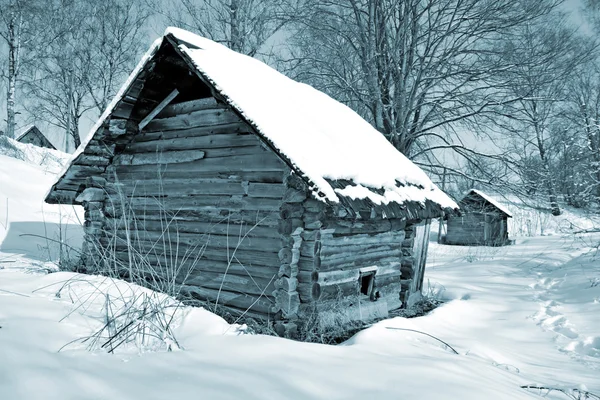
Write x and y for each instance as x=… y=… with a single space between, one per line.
x=113 y=47
x=544 y=55
x=18 y=23
x=414 y=68
x=97 y=45
x=251 y=27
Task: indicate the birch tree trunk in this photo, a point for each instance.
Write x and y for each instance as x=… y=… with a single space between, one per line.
x=14 y=47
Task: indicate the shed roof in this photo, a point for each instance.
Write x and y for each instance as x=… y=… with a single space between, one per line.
x=490 y=200
x=36 y=131
x=339 y=153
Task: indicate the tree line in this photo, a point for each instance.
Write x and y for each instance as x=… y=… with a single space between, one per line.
x=496 y=93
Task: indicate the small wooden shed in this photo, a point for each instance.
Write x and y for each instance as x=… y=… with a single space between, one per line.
x=295 y=206
x=484 y=222
x=33 y=135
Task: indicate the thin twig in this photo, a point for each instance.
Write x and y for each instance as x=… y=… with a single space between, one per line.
x=426 y=334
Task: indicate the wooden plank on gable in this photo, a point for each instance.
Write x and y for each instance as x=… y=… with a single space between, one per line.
x=158 y=109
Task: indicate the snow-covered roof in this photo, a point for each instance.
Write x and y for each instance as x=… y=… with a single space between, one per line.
x=321 y=138
x=490 y=200
x=24 y=131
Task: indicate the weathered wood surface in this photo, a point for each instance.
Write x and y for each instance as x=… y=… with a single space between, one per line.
x=193 y=119
x=191 y=273
x=217 y=241
x=226 y=140
x=240 y=301
x=246 y=162
x=159 y=157
x=208 y=260
x=187 y=107
x=210 y=215
x=240 y=129
x=194 y=203
x=231 y=230
x=199 y=186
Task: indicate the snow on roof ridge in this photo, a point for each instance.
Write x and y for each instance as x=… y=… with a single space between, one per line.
x=491 y=200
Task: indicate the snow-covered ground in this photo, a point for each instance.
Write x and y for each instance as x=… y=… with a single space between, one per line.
x=516 y=315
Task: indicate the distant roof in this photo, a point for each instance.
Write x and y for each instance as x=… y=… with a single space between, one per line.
x=36 y=131
x=24 y=131
x=339 y=153
x=490 y=200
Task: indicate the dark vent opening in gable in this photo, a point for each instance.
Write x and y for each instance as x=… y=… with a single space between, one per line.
x=170 y=72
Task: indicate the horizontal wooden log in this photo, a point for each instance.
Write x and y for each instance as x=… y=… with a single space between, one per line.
x=360 y=252
x=309 y=292
x=349 y=228
x=265 y=190
x=240 y=129
x=239 y=301
x=161 y=157
x=216 y=164
x=310 y=248
x=202 y=260
x=274 y=176
x=61 y=196
x=234 y=231
x=233 y=283
x=190 y=274
x=232 y=141
x=186 y=107
x=336 y=277
x=92 y=159
x=340 y=291
x=308 y=276
x=216 y=241
x=347 y=263
x=210 y=215
x=183 y=187
x=193 y=119
x=190 y=203
x=308 y=264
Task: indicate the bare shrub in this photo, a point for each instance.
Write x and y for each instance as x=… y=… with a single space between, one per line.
x=129 y=316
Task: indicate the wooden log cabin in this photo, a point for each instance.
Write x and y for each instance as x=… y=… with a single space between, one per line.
x=484 y=222
x=33 y=135
x=293 y=207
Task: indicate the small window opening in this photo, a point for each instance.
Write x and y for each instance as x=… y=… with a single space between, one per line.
x=367 y=281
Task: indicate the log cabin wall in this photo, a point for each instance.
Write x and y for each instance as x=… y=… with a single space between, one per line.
x=355 y=269
x=198 y=192
x=195 y=192
x=487 y=229
x=468 y=229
